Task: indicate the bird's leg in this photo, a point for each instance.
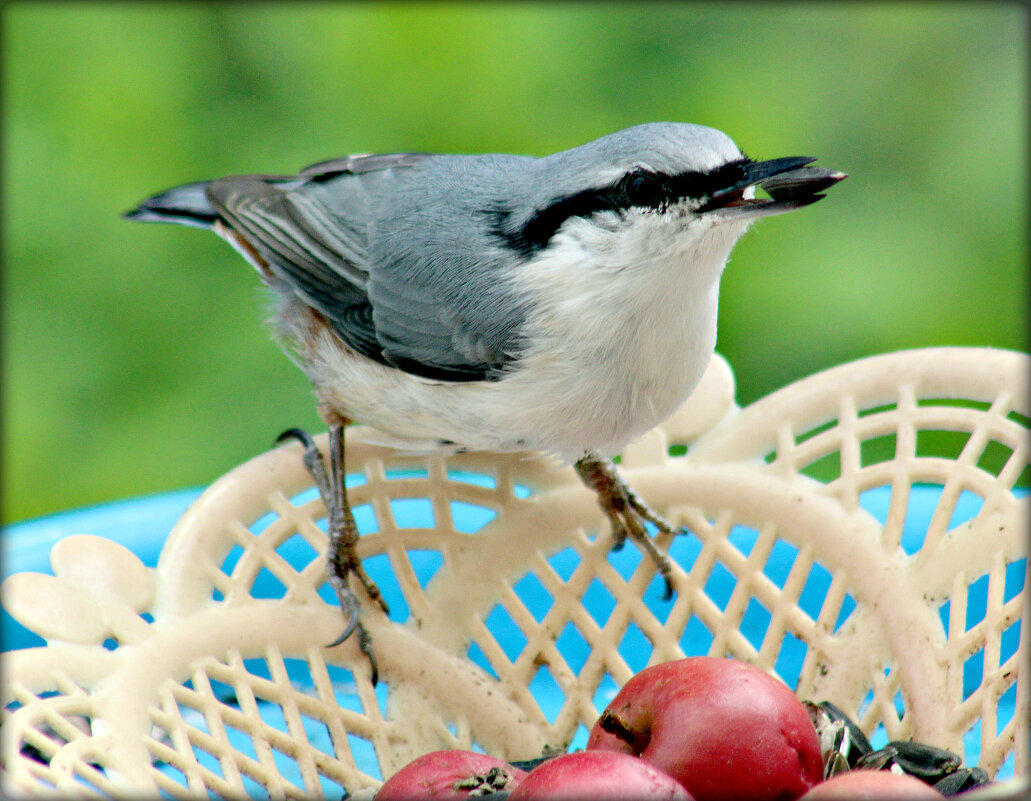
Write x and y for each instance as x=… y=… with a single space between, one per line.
x=342 y=530
x=343 y=537
x=626 y=512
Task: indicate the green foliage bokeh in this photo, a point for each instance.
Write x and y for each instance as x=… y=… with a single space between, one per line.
x=135 y=359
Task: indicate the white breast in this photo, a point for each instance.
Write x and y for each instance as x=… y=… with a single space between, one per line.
x=620 y=344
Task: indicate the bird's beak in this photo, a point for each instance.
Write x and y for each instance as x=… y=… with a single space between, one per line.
x=789 y=183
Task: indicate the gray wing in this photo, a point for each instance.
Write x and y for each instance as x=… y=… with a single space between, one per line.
x=356 y=165
x=349 y=237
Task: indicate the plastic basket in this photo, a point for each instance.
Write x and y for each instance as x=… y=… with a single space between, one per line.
x=861 y=533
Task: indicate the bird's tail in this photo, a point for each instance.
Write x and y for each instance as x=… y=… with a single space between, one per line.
x=186 y=205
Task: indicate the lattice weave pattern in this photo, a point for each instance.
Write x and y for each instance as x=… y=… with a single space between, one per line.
x=512 y=623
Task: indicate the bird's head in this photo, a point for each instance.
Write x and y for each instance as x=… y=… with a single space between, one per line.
x=656 y=180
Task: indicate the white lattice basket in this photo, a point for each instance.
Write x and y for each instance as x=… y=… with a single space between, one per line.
x=512 y=624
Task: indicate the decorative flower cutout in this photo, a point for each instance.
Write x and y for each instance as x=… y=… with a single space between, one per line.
x=99 y=590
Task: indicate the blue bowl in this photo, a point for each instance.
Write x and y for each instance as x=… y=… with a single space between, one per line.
x=142 y=525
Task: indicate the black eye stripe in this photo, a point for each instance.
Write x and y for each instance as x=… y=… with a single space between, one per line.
x=705 y=184
x=636 y=189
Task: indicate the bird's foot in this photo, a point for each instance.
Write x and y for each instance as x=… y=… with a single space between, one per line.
x=627 y=513
x=341 y=558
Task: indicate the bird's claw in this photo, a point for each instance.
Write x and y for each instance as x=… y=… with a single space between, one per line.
x=364 y=638
x=348 y=605
x=352 y=624
x=296 y=433
x=313 y=461
x=629 y=524
x=627 y=514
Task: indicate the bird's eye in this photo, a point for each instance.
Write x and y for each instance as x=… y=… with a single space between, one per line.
x=642 y=188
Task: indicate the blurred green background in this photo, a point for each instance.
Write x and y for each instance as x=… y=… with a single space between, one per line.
x=135 y=359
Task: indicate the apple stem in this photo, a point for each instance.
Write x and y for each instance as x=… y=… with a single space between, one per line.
x=611 y=723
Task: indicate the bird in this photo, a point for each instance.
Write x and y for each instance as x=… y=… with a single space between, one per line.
x=562 y=304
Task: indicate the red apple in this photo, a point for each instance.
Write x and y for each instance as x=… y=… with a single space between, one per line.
x=598 y=775
x=870 y=784
x=722 y=728
x=449 y=776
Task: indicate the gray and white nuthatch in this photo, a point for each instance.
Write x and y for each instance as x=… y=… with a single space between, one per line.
x=564 y=304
